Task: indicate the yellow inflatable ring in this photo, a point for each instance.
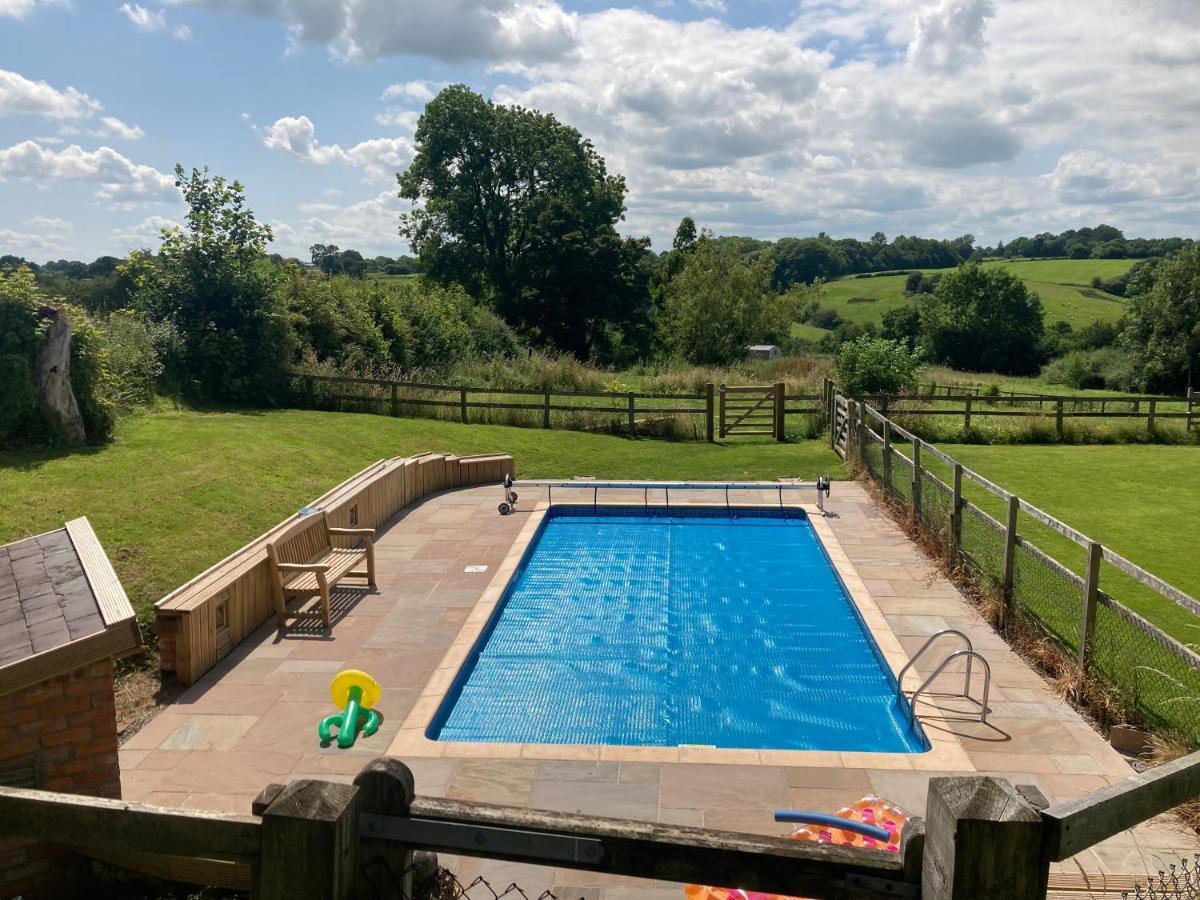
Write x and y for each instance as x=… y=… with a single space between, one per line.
x=339 y=688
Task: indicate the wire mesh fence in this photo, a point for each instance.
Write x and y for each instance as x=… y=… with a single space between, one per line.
x=1153 y=676
x=1181 y=882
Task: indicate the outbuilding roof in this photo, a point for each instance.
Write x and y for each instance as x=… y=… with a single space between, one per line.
x=61 y=606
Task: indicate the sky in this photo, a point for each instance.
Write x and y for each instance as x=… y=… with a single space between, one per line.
x=764 y=117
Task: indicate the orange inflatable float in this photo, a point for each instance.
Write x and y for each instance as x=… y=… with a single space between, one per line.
x=884 y=819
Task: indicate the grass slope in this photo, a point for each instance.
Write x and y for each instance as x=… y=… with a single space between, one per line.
x=179 y=490
x=1143 y=501
x=1063 y=284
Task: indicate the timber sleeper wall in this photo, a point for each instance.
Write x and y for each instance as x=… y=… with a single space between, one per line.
x=201 y=621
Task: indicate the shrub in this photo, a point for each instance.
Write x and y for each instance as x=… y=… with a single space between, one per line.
x=19 y=339
x=91 y=379
x=877 y=366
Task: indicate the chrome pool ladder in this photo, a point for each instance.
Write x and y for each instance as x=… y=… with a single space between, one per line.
x=969 y=653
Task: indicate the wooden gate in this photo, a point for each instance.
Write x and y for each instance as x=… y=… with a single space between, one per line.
x=839 y=425
x=752 y=409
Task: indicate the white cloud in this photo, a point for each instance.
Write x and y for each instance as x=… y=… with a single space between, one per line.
x=369 y=226
x=709 y=5
x=404 y=119
x=949 y=35
x=19 y=94
x=143 y=18
x=120 y=180
x=50 y=223
x=410 y=90
x=114 y=127
x=143 y=234
x=380 y=158
x=453 y=30
x=148 y=20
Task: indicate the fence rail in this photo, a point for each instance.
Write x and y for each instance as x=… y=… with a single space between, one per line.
x=981 y=837
x=1155 y=676
x=635 y=412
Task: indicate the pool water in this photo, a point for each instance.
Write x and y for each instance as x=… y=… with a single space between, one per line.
x=669 y=627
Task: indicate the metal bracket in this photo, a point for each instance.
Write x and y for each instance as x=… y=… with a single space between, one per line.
x=481 y=840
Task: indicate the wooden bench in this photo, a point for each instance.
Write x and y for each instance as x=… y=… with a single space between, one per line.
x=322 y=565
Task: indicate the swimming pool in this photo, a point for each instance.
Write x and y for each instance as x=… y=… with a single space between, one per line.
x=675 y=627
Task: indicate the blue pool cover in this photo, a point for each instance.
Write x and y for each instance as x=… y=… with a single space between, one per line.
x=665 y=627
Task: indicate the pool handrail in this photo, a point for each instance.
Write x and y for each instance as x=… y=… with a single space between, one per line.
x=925 y=646
x=987 y=683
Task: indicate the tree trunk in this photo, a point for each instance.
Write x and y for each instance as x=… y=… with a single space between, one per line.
x=52 y=370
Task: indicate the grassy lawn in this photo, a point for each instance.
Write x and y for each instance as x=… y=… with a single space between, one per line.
x=1142 y=501
x=177 y=491
x=1063 y=284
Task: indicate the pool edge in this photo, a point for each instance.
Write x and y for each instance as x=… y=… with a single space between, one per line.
x=945 y=753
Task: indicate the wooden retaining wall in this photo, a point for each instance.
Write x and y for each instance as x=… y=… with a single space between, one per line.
x=201 y=621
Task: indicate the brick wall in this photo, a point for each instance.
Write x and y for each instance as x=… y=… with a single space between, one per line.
x=67 y=727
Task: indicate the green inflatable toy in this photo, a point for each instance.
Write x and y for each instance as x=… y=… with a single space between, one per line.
x=355 y=692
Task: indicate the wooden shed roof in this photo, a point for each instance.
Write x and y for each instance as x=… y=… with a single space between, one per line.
x=61 y=606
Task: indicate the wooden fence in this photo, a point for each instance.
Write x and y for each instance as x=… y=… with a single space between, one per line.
x=629 y=411
x=200 y=621
x=315 y=840
x=973 y=403
x=1159 y=673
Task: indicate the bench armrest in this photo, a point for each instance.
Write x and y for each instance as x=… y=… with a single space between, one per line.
x=358 y=532
x=303 y=567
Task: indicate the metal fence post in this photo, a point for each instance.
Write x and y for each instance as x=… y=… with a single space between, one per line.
x=1091 y=588
x=1191 y=402
x=708 y=412
x=1010 y=551
x=916 y=478
x=956 y=516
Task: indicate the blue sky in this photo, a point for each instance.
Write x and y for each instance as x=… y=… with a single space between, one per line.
x=938 y=117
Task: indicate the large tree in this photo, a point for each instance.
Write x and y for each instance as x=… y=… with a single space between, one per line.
x=1163 y=329
x=520 y=210
x=982 y=320
x=218 y=287
x=718 y=304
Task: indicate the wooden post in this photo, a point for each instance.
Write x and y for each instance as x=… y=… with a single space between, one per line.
x=861 y=430
x=967 y=416
x=722 y=400
x=632 y=424
x=887 y=453
x=708 y=412
x=1058 y=417
x=779 y=407
x=956 y=516
x=462 y=405
x=385 y=868
x=982 y=839
x=395 y=400
x=1152 y=409
x=546 y=412
x=1010 y=551
x=1191 y=398
x=883 y=405
x=310 y=391
x=916 y=478
x=309 y=835
x=1137 y=405
x=833 y=422
x=1091 y=588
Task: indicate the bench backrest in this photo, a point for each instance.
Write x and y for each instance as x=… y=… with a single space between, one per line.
x=302 y=541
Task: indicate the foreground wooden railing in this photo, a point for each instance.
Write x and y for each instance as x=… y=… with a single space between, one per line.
x=311 y=839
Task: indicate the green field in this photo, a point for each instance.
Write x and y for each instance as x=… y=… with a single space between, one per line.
x=177 y=491
x=1142 y=501
x=1064 y=286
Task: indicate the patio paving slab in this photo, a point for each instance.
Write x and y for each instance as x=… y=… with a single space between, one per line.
x=253 y=718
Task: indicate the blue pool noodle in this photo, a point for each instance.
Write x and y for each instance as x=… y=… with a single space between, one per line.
x=815 y=818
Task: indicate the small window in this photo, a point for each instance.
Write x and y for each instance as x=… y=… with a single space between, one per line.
x=354 y=516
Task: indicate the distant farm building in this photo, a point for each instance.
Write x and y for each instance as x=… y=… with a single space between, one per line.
x=64 y=618
x=763 y=351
